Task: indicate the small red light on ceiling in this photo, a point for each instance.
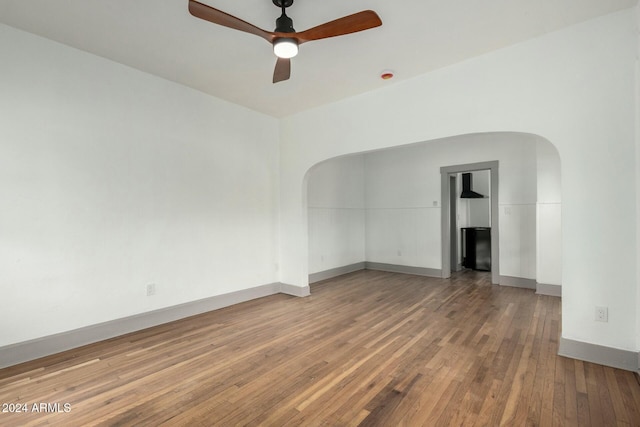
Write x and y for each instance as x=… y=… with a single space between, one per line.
x=386 y=75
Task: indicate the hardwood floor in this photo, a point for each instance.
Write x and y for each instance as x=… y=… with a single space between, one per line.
x=369 y=348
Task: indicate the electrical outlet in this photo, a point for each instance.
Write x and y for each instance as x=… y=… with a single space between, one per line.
x=602 y=314
x=151 y=289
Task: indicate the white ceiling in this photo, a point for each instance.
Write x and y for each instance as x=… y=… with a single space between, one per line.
x=160 y=37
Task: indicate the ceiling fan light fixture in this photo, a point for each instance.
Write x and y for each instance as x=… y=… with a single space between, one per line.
x=285 y=47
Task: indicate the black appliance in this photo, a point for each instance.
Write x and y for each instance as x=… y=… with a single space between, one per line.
x=467 y=187
x=476 y=248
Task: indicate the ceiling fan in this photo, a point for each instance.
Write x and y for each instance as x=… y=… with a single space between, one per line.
x=284 y=38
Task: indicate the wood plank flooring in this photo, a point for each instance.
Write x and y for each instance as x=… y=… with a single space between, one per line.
x=369 y=348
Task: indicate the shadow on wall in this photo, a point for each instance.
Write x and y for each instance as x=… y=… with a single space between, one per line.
x=383 y=207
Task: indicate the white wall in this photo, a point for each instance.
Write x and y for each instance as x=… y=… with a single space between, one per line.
x=112 y=179
x=403 y=199
x=575 y=88
x=336 y=213
x=403 y=226
x=549 y=213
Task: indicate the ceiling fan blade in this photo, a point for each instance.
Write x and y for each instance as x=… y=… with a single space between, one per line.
x=349 y=24
x=219 y=17
x=283 y=70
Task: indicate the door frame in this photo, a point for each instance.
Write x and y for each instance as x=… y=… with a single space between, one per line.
x=453 y=221
x=445 y=173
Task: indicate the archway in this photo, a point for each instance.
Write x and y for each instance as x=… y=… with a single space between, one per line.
x=395 y=220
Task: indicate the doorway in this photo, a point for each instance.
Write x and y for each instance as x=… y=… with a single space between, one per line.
x=449 y=239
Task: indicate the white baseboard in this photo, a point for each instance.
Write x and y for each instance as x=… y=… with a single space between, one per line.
x=40 y=347
x=608 y=356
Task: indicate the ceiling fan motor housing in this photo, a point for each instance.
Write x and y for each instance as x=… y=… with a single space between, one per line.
x=284 y=24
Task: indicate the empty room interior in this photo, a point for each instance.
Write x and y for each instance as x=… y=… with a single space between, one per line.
x=429 y=216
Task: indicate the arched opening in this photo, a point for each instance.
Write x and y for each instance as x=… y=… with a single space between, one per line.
x=383 y=209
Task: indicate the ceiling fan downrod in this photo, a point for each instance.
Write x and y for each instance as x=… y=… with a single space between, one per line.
x=284 y=24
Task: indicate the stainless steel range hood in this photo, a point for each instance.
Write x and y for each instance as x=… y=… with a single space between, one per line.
x=467 y=188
